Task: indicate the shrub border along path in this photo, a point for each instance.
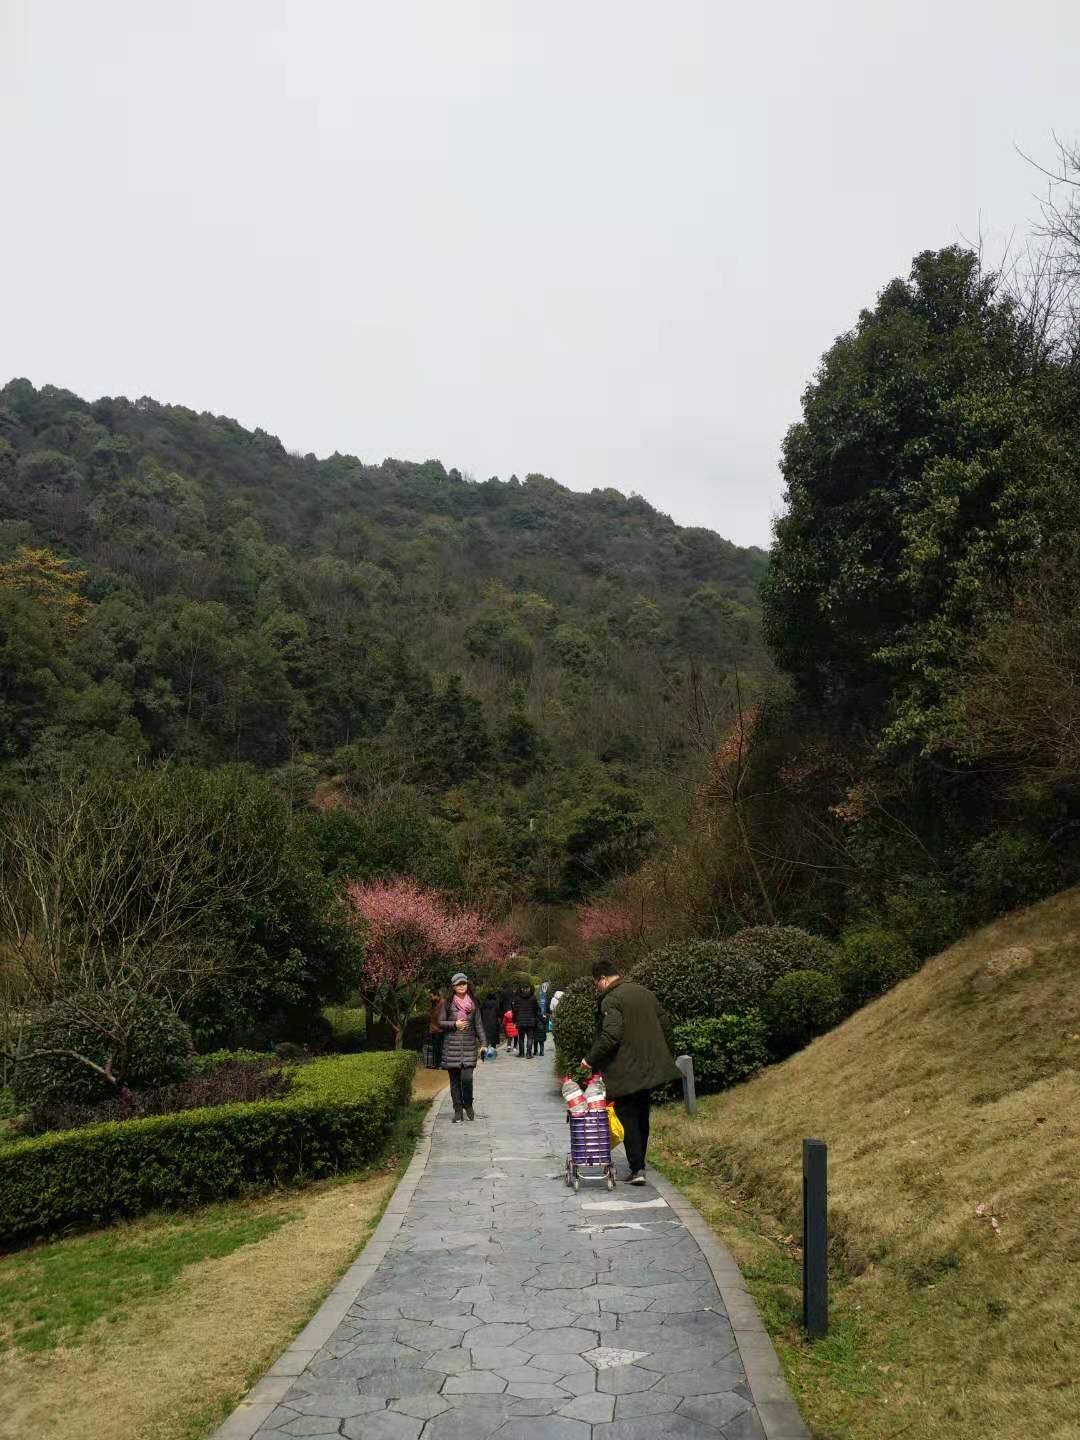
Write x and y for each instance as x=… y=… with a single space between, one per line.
x=336 y=1117
x=442 y=1220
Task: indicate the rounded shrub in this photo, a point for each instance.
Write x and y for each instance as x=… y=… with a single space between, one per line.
x=777 y=950
x=870 y=961
x=556 y=966
x=725 y=1049
x=574 y=1025
x=698 y=979
x=157 y=1050
x=800 y=1005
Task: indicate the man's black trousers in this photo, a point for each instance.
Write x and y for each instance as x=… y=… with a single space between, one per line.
x=633 y=1113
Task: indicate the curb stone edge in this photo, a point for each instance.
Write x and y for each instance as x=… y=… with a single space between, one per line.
x=779 y=1415
x=265 y=1394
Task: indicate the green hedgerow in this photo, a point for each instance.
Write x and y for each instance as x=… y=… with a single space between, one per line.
x=334 y=1119
x=156 y=1050
x=725 y=1049
x=870 y=961
x=799 y=1006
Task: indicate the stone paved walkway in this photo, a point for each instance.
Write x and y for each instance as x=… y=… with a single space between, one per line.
x=506 y=1306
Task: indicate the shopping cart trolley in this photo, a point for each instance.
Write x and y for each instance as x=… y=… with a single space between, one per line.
x=590 y=1148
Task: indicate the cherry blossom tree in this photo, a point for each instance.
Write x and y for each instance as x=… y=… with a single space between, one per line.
x=411 y=935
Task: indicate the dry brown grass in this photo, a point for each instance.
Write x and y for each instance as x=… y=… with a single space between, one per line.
x=429 y=1083
x=174 y=1365
x=950 y=1104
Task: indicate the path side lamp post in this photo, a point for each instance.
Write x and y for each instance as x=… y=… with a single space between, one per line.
x=685 y=1064
x=815 y=1169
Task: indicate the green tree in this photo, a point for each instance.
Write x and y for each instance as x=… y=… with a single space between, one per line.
x=609 y=835
x=927 y=470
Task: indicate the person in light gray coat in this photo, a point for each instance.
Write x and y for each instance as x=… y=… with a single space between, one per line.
x=464 y=1038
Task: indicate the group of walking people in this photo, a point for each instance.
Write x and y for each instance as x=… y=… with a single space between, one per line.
x=462 y=1029
x=633 y=1046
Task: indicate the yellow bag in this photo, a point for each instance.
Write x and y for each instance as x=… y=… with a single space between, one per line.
x=617 y=1131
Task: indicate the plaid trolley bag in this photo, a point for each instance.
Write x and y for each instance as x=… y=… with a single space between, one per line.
x=590 y=1148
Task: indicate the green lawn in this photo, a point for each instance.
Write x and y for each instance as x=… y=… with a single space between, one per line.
x=51 y=1294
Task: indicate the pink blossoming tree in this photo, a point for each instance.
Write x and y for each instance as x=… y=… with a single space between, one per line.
x=613 y=929
x=411 y=936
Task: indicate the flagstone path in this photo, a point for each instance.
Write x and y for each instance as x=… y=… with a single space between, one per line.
x=492 y=1303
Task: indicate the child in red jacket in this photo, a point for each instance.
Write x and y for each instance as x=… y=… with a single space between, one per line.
x=510 y=1030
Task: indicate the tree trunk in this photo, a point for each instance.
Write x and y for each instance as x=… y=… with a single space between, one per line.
x=399 y=1037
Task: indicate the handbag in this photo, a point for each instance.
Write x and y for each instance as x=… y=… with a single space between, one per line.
x=617 y=1132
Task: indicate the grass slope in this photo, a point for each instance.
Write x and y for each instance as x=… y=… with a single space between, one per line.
x=951 y=1107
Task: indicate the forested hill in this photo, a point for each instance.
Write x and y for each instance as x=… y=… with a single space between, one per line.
x=239 y=602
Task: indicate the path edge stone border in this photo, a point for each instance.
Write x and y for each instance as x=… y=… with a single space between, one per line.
x=779 y=1415
x=267 y=1393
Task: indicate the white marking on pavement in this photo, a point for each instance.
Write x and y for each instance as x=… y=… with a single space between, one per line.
x=607 y=1358
x=626 y=1205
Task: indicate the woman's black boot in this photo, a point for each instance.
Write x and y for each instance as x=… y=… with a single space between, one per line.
x=469 y=1112
x=457 y=1115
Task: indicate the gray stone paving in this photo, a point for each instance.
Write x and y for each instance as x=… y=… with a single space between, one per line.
x=506 y=1306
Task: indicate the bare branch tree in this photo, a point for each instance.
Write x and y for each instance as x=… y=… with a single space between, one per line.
x=108 y=896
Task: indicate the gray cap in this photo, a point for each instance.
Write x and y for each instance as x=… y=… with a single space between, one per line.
x=458 y=978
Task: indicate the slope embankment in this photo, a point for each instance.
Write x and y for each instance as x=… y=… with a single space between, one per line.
x=951 y=1107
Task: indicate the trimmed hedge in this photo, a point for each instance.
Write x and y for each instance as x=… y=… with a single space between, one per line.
x=335 y=1118
x=726 y=1049
x=870 y=961
x=694 y=980
x=800 y=1006
x=778 y=950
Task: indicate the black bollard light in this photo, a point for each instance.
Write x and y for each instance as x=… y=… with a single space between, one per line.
x=815 y=1265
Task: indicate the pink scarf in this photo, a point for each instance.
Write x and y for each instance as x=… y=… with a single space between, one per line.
x=463 y=1006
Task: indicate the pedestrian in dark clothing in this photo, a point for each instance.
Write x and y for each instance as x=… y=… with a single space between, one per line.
x=542 y=1017
x=464 y=1038
x=634 y=1052
x=526 y=1017
x=435 y=1034
x=489 y=1015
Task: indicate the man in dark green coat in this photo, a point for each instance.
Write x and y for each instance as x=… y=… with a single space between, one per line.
x=633 y=1052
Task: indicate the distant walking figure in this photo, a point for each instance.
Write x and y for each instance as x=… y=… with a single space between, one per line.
x=634 y=1053
x=463 y=1039
x=489 y=1017
x=526 y=1018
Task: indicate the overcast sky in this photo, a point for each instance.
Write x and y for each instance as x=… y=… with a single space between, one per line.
x=607 y=240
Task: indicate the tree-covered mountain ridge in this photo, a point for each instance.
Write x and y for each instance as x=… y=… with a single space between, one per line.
x=248 y=603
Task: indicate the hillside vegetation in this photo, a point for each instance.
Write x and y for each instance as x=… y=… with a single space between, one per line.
x=493 y=674
x=951 y=1107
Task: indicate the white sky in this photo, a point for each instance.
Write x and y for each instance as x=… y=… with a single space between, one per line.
x=606 y=239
